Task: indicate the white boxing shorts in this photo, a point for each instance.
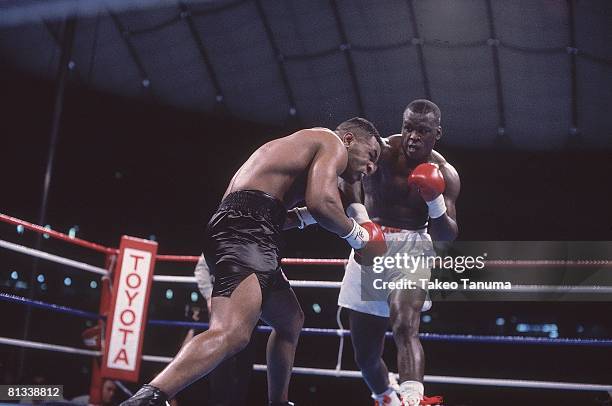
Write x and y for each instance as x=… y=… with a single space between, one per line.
x=413 y=247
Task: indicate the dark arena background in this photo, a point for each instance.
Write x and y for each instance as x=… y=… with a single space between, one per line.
x=130 y=118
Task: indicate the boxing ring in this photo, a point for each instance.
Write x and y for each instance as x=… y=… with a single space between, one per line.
x=340 y=333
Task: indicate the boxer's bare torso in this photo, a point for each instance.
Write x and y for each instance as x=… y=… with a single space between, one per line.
x=280 y=167
x=388 y=198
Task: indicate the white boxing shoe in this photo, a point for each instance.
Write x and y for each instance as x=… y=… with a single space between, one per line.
x=393 y=383
x=411 y=393
x=389 y=398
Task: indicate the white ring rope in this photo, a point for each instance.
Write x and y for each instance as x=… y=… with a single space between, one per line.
x=50 y=347
x=460 y=380
x=294 y=283
x=514 y=289
x=157 y=358
x=175 y=279
x=52 y=258
x=316 y=284
x=518 y=383
x=558 y=289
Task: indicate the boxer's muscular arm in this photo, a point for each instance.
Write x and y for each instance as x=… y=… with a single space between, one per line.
x=349 y=193
x=444 y=228
x=322 y=196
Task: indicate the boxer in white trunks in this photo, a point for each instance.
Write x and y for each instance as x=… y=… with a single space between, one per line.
x=412 y=196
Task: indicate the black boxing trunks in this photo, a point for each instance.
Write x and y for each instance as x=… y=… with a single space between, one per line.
x=244 y=237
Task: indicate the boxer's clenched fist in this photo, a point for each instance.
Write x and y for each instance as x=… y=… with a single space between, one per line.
x=429 y=181
x=370 y=240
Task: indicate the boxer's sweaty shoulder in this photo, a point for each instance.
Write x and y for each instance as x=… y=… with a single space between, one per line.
x=451 y=177
x=280 y=167
x=437 y=158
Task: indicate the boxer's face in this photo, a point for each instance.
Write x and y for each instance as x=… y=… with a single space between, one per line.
x=419 y=134
x=363 y=153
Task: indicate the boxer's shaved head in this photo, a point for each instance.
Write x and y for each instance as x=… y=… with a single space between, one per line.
x=364 y=147
x=359 y=127
x=424 y=108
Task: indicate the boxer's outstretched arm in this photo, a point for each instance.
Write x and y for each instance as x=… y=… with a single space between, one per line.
x=444 y=228
x=322 y=195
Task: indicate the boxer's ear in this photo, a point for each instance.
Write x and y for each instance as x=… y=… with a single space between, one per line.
x=348 y=138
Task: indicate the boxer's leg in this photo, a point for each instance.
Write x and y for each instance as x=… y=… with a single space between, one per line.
x=220 y=383
x=232 y=322
x=405 y=307
x=243 y=369
x=283 y=313
x=368 y=338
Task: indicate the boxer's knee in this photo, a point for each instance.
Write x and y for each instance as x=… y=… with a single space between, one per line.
x=405 y=325
x=405 y=318
x=237 y=342
x=405 y=331
x=232 y=340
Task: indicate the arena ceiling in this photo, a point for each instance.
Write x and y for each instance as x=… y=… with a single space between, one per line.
x=535 y=74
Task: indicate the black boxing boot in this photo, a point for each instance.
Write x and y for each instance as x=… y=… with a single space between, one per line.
x=148 y=395
x=287 y=403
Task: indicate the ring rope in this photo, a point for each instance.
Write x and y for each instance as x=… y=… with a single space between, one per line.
x=44 y=346
x=157 y=358
x=49 y=306
x=586 y=263
x=496 y=263
x=177 y=258
x=514 y=383
x=52 y=258
x=315 y=284
x=174 y=279
x=314 y=261
x=554 y=289
x=461 y=338
x=55 y=234
x=514 y=289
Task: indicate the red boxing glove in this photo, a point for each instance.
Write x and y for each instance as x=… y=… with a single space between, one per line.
x=428 y=180
x=375 y=247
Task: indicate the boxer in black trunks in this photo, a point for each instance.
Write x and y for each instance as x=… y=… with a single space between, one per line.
x=242 y=249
